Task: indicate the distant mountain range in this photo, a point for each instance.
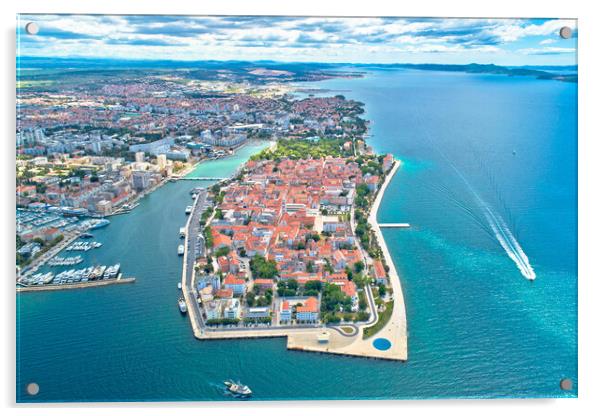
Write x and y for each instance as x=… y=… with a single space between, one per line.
x=559 y=73
x=570 y=76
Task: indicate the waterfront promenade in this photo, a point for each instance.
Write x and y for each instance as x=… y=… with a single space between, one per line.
x=396 y=328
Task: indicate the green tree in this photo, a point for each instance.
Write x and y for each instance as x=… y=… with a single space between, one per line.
x=250 y=296
x=222 y=251
x=262 y=268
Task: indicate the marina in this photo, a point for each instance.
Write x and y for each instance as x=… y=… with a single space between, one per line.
x=72 y=276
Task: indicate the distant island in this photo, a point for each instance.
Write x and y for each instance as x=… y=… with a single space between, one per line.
x=262 y=72
x=494 y=69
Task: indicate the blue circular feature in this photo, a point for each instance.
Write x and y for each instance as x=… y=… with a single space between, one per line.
x=381 y=344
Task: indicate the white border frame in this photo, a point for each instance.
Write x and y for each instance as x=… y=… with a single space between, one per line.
x=589 y=200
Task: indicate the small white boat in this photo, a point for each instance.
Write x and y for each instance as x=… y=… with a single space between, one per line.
x=182 y=305
x=238 y=389
x=180 y=285
x=180 y=250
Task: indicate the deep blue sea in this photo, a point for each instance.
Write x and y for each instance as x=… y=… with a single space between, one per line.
x=474 y=147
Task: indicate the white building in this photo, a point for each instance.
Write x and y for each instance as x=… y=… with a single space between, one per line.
x=258 y=312
x=161 y=161
x=231 y=308
x=213 y=309
x=285 y=312
x=139 y=157
x=309 y=312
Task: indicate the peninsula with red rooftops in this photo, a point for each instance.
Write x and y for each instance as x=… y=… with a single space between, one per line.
x=293 y=249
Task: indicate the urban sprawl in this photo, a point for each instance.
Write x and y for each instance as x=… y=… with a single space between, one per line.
x=287 y=242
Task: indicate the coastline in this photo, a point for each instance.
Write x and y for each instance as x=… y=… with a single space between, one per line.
x=177 y=176
x=397 y=325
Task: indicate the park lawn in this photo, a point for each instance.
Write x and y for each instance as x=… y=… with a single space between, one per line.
x=383 y=318
x=347 y=329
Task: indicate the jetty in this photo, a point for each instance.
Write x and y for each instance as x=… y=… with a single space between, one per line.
x=394 y=225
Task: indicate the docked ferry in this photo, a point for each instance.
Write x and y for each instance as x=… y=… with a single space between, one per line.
x=99 y=224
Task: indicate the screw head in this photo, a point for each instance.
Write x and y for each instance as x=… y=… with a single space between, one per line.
x=32 y=28
x=566 y=32
x=33 y=389
x=566 y=384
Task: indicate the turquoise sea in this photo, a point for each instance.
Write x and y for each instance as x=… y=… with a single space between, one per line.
x=473 y=146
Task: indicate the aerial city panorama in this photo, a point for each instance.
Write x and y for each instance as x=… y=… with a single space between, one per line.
x=285 y=208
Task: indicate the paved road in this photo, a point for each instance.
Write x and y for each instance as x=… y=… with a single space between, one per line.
x=192 y=231
x=38 y=262
x=373 y=317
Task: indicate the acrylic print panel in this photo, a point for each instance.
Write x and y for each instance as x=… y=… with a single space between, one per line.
x=274 y=208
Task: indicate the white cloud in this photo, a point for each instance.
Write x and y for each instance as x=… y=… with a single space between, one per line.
x=514 y=30
x=302 y=39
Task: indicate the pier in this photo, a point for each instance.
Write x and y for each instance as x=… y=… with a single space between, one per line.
x=394 y=225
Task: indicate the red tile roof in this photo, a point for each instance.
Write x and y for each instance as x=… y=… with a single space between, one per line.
x=233 y=280
x=349 y=288
x=379 y=270
x=310 y=305
x=225 y=293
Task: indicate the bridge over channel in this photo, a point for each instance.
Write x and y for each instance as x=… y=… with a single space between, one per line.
x=201 y=178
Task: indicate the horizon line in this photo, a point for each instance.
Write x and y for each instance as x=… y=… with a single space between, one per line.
x=278 y=62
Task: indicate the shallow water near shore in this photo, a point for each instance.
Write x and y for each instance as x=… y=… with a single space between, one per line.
x=477 y=327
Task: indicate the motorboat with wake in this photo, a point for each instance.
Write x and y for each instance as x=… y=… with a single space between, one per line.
x=238 y=389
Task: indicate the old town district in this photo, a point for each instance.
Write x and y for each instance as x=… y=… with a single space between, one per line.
x=288 y=244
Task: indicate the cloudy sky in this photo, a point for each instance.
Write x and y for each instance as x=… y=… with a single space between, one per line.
x=366 y=40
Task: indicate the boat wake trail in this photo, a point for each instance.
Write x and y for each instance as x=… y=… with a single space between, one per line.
x=495 y=222
x=500 y=230
x=509 y=243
